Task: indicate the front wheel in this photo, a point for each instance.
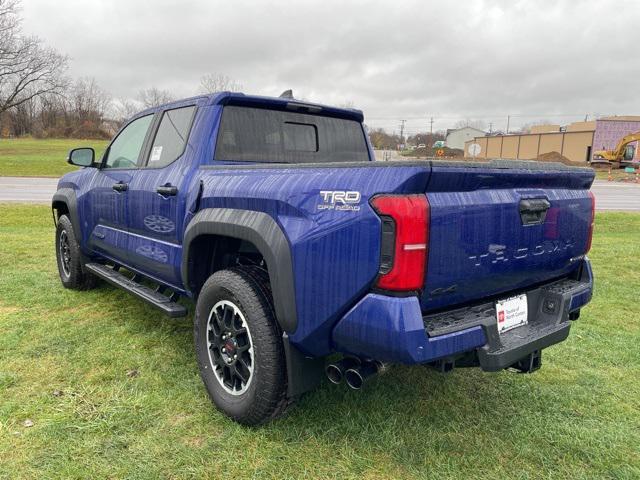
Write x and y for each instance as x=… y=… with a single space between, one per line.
x=70 y=259
x=239 y=346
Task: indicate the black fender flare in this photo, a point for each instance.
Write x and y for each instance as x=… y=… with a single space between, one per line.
x=67 y=196
x=265 y=234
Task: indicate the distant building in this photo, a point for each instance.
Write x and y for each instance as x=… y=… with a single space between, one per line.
x=545 y=129
x=457 y=137
x=577 y=141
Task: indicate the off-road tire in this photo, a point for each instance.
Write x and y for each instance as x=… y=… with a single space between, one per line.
x=265 y=397
x=71 y=269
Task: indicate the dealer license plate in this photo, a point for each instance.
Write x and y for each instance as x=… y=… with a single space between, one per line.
x=511 y=313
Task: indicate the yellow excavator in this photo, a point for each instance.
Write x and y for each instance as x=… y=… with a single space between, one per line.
x=622 y=155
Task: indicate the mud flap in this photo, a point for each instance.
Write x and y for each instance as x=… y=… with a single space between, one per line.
x=303 y=373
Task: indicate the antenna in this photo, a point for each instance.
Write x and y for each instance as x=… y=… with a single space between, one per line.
x=287 y=94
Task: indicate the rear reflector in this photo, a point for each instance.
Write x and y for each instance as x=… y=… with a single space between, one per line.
x=592 y=222
x=405 y=239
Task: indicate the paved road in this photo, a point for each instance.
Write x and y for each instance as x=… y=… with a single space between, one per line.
x=616 y=196
x=27 y=189
x=609 y=195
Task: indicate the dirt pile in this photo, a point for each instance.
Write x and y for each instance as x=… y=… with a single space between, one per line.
x=555 y=157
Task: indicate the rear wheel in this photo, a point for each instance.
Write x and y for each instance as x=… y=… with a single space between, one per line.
x=70 y=259
x=239 y=346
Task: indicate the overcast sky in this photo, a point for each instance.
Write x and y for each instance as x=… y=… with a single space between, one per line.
x=555 y=60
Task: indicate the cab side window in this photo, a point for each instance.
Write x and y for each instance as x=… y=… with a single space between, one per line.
x=125 y=149
x=171 y=137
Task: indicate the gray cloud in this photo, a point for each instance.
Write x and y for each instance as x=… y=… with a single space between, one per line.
x=466 y=59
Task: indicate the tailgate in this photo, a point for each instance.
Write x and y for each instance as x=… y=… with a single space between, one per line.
x=503 y=226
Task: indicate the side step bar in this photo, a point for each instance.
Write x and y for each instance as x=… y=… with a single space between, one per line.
x=143 y=292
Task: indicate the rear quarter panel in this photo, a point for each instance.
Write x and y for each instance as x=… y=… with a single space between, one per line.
x=335 y=253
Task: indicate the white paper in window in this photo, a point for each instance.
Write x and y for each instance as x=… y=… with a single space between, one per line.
x=156 y=153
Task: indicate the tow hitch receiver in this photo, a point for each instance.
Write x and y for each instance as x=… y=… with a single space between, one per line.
x=528 y=364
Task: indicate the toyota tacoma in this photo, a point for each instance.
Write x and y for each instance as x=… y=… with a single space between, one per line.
x=305 y=257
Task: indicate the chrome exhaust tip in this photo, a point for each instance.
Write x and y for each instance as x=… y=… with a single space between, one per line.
x=334 y=374
x=335 y=371
x=357 y=376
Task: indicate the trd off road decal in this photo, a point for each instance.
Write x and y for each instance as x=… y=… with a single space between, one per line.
x=340 y=200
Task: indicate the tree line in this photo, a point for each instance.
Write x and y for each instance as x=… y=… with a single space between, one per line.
x=39 y=98
x=383 y=140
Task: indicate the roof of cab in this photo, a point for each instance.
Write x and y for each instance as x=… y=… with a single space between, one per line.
x=256 y=101
x=289 y=104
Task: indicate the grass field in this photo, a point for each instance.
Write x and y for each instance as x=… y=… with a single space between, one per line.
x=113 y=391
x=28 y=157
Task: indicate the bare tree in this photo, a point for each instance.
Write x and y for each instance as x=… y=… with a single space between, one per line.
x=21 y=118
x=153 y=97
x=467 y=122
x=27 y=68
x=88 y=101
x=54 y=116
x=217 y=82
x=381 y=139
x=426 y=138
x=124 y=108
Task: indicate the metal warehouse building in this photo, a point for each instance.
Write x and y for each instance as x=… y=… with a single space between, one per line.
x=577 y=141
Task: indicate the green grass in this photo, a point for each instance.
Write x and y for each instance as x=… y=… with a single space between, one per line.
x=578 y=417
x=29 y=157
x=617 y=175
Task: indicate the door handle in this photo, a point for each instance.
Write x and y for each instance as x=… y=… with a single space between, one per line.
x=120 y=187
x=167 y=190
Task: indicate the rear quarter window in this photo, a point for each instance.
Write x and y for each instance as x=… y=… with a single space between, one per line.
x=260 y=135
x=171 y=137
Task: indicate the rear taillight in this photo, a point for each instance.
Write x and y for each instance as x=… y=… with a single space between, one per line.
x=405 y=241
x=592 y=222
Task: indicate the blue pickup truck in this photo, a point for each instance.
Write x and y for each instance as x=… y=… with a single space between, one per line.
x=305 y=257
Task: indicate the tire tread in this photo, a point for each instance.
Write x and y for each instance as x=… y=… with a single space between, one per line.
x=270 y=400
x=79 y=279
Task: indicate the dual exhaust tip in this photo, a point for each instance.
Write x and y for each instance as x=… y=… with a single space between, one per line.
x=353 y=371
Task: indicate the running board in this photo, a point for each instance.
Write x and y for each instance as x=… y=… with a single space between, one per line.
x=152 y=297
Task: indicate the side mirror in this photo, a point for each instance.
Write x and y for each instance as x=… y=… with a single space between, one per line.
x=82 y=157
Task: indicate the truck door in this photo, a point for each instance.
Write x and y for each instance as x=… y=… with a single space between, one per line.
x=107 y=198
x=157 y=198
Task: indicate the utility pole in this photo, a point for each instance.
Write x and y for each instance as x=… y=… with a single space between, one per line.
x=508 y=120
x=402 y=122
x=490 y=127
x=431 y=131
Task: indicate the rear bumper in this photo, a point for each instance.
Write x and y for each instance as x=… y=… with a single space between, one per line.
x=392 y=329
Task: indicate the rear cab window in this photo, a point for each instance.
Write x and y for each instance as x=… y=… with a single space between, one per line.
x=259 y=135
